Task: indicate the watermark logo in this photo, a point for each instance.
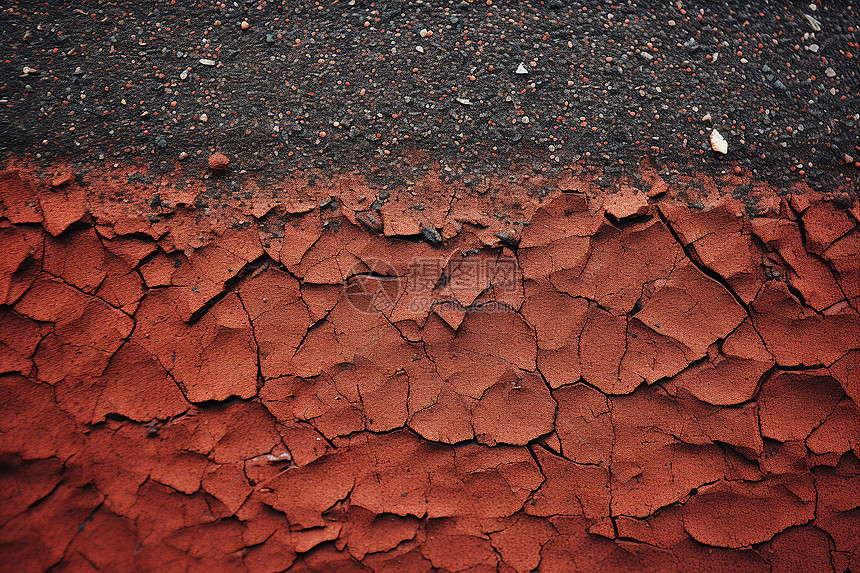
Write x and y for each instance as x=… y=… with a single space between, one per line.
x=376 y=286
x=373 y=286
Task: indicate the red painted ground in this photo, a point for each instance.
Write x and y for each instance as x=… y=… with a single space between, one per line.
x=278 y=376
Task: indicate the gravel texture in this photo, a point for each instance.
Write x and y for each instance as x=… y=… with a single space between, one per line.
x=335 y=84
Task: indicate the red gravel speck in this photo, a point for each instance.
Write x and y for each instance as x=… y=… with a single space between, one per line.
x=218 y=162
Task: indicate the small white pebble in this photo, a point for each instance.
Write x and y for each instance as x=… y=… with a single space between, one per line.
x=718 y=142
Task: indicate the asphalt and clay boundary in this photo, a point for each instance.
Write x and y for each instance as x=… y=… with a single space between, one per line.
x=429 y=286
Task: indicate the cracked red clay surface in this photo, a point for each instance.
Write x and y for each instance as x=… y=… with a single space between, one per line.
x=297 y=377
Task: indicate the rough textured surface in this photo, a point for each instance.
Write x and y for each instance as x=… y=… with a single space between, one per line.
x=386 y=85
x=313 y=375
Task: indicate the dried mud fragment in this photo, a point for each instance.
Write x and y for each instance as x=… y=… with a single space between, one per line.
x=650 y=356
x=584 y=424
x=515 y=411
x=519 y=544
x=397 y=221
x=157 y=271
x=318 y=352
x=228 y=484
x=694 y=556
x=213 y=359
x=732 y=370
x=570 y=489
x=738 y=514
x=327 y=259
x=385 y=403
x=691 y=308
x=565 y=216
x=823 y=224
x=665 y=529
x=480 y=278
x=556 y=317
x=61 y=208
x=844 y=530
x=320 y=299
x=478 y=356
x=452 y=314
x=122 y=286
x=621 y=262
x=807 y=273
x=558 y=320
x=737 y=426
x=649 y=530
x=279 y=318
x=23 y=483
x=602 y=345
x=87 y=331
x=325 y=558
x=211 y=544
x=405 y=557
x=152 y=394
x=21 y=252
x=231 y=432
x=270 y=546
x=837 y=488
x=33 y=426
x=569 y=254
x=842 y=256
x=316 y=401
x=797 y=336
x=218 y=161
x=296 y=237
x=847 y=371
x=19 y=338
x=408 y=478
x=122 y=459
x=446 y=418
x=178 y=456
x=37 y=539
x=468 y=481
x=458 y=544
x=107 y=542
x=626 y=203
x=19 y=201
x=495 y=482
x=366 y=532
x=720 y=239
x=574 y=550
x=303 y=494
x=203 y=276
x=369 y=358
x=130 y=249
x=793 y=404
x=208 y=545
x=805 y=548
x=78 y=257
x=839 y=433
x=659 y=454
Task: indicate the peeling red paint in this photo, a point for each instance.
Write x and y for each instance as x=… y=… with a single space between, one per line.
x=300 y=378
